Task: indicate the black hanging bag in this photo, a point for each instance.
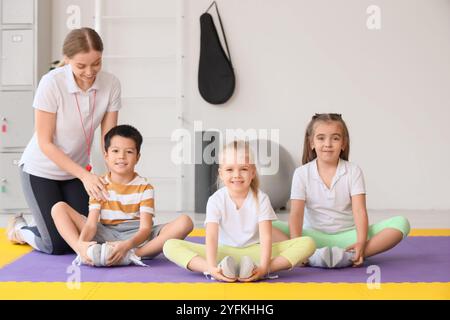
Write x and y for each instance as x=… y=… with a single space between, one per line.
x=216 y=79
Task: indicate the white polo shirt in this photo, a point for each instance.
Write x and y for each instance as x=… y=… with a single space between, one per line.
x=56 y=94
x=238 y=227
x=328 y=210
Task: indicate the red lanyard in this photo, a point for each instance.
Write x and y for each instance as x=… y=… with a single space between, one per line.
x=88 y=139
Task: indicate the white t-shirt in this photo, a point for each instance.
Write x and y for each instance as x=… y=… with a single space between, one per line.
x=328 y=210
x=238 y=228
x=56 y=94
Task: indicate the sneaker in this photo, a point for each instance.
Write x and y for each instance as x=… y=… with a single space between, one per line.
x=14 y=225
x=130 y=257
x=341 y=258
x=321 y=258
x=94 y=253
x=228 y=267
x=246 y=267
x=100 y=253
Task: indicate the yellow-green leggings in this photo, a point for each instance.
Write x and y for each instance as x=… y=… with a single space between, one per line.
x=295 y=250
x=347 y=238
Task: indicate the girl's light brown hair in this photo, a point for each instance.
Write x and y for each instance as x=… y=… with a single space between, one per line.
x=310 y=154
x=81 y=40
x=239 y=147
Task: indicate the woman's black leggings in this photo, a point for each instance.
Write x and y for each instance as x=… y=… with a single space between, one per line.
x=41 y=195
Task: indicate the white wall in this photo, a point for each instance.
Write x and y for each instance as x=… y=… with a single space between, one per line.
x=65 y=14
x=295 y=58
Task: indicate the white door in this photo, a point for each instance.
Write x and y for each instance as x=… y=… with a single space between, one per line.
x=17 y=57
x=16 y=118
x=142 y=48
x=11 y=194
x=17 y=11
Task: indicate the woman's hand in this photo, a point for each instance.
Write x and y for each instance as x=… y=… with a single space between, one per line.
x=95 y=186
x=258 y=273
x=217 y=274
x=358 y=248
x=82 y=251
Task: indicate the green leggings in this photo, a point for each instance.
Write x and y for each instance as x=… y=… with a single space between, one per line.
x=295 y=250
x=347 y=238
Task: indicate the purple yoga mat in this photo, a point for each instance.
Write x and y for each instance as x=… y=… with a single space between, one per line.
x=416 y=259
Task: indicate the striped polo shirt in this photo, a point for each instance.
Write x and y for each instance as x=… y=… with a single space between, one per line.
x=125 y=201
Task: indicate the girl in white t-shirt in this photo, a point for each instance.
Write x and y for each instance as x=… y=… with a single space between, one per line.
x=239 y=228
x=329 y=192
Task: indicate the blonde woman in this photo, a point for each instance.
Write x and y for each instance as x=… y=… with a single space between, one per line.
x=71 y=101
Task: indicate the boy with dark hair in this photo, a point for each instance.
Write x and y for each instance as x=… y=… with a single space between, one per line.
x=120 y=230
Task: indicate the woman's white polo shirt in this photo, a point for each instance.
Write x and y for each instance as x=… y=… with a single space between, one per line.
x=56 y=94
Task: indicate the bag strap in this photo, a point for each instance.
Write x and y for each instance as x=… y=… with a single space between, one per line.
x=221 y=27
